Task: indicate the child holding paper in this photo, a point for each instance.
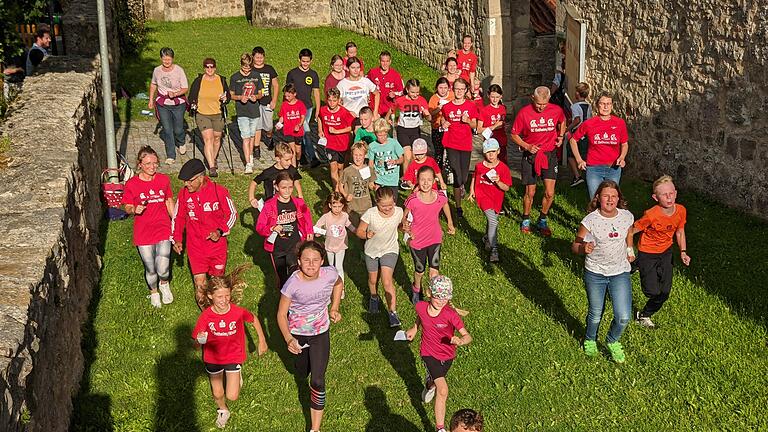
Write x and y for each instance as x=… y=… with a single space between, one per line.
x=333 y=225
x=292 y=114
x=283 y=163
x=384 y=157
x=335 y=126
x=356 y=183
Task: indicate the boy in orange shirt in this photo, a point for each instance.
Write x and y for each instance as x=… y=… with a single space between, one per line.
x=654 y=260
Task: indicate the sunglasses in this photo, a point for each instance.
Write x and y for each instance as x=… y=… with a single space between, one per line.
x=210 y=66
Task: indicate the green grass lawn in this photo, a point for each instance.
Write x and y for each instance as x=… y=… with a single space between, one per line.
x=704 y=368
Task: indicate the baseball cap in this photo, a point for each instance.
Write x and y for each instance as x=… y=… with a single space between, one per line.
x=419 y=146
x=442 y=287
x=490 y=145
x=190 y=169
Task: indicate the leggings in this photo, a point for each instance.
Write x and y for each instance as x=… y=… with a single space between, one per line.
x=283 y=266
x=336 y=259
x=437 y=143
x=655 y=279
x=312 y=362
x=492 y=224
x=157 y=262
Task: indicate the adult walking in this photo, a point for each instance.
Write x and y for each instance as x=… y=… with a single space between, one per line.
x=608 y=145
x=267 y=103
x=166 y=95
x=206 y=96
x=538 y=130
x=247 y=90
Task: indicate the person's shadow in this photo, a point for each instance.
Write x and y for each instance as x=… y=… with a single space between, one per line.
x=382 y=418
x=176 y=375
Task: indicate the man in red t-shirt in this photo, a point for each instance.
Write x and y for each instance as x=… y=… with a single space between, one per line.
x=538 y=130
x=388 y=80
x=467 y=59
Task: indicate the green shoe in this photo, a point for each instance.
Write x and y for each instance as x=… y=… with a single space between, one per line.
x=617 y=352
x=590 y=348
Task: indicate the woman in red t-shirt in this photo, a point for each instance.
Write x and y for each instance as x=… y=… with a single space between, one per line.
x=452 y=71
x=459 y=118
x=221 y=328
x=292 y=114
x=149 y=197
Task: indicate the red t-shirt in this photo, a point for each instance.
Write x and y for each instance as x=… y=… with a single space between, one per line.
x=459 y=134
x=487 y=194
x=291 y=115
x=489 y=116
x=538 y=128
x=362 y=66
x=605 y=139
x=467 y=63
x=339 y=119
x=436 y=332
x=386 y=82
x=413 y=169
x=410 y=111
x=226 y=334
x=154 y=224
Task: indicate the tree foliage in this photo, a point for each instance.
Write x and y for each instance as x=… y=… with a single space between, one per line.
x=13 y=12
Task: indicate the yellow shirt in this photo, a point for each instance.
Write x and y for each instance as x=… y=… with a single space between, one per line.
x=208 y=102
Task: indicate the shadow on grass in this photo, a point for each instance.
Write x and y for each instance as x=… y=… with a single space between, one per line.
x=176 y=375
x=382 y=417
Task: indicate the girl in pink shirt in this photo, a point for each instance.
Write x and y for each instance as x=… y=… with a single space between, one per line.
x=421 y=222
x=335 y=223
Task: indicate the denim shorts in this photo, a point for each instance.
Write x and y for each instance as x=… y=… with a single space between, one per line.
x=248 y=126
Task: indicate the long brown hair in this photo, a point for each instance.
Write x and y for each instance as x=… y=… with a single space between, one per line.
x=234 y=282
x=595 y=203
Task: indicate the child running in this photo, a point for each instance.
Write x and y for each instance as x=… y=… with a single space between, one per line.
x=420 y=159
x=605 y=237
x=284 y=222
x=220 y=329
x=335 y=125
x=364 y=132
x=439 y=323
x=443 y=94
x=492 y=118
x=291 y=121
x=378 y=226
x=459 y=118
x=384 y=156
x=335 y=222
x=357 y=181
x=412 y=107
x=658 y=226
x=421 y=221
x=284 y=163
x=304 y=321
x=491 y=180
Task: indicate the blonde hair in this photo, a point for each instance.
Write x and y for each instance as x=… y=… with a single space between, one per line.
x=381 y=125
x=582 y=89
x=359 y=145
x=661 y=180
x=283 y=149
x=234 y=282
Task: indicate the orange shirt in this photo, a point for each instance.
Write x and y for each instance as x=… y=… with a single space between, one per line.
x=659 y=229
x=434 y=102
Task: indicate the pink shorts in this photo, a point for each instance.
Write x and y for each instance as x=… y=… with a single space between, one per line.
x=212 y=264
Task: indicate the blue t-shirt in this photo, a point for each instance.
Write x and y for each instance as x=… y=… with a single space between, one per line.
x=386 y=175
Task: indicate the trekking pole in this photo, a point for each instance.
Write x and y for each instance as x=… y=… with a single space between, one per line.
x=229 y=140
x=194 y=135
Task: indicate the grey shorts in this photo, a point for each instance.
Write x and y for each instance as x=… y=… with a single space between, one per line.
x=264 y=122
x=386 y=260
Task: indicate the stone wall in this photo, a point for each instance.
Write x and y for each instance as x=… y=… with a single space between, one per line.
x=304 y=13
x=181 y=10
x=50 y=213
x=691 y=79
x=424 y=28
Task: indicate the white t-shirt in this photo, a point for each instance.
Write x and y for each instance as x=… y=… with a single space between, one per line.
x=385 y=239
x=576 y=110
x=354 y=94
x=610 y=237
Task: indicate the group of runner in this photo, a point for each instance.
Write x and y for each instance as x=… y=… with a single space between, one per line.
x=356 y=121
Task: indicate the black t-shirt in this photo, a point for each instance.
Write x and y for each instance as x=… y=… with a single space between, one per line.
x=267 y=73
x=238 y=84
x=289 y=237
x=304 y=81
x=268 y=178
x=36 y=56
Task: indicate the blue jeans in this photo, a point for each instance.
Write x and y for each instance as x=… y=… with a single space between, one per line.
x=620 y=289
x=308 y=147
x=597 y=173
x=172 y=120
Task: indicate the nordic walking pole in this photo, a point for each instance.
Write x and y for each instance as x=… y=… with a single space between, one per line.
x=229 y=140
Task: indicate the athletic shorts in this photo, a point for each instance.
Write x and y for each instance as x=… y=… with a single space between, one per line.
x=436 y=368
x=290 y=139
x=336 y=156
x=215 y=369
x=527 y=174
x=248 y=126
x=386 y=260
x=459 y=162
x=264 y=122
x=406 y=136
x=430 y=255
x=213 y=265
x=205 y=122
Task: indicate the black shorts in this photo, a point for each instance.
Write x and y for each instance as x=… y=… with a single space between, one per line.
x=215 y=369
x=583 y=146
x=430 y=255
x=528 y=176
x=336 y=156
x=436 y=368
x=406 y=136
x=459 y=162
x=290 y=139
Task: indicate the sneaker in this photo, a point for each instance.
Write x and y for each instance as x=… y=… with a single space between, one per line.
x=248 y=167
x=222 y=418
x=449 y=178
x=590 y=348
x=494 y=258
x=525 y=226
x=459 y=213
x=183 y=149
x=577 y=181
x=213 y=172
x=170 y=161
x=617 y=352
x=544 y=228
x=373 y=304
x=404 y=185
x=250 y=161
x=428 y=393
x=394 y=320
x=343 y=294
x=165 y=290
x=415 y=296
x=644 y=321
x=154 y=300
x=486 y=243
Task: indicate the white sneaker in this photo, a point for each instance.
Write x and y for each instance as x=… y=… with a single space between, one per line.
x=251 y=160
x=249 y=167
x=183 y=149
x=428 y=394
x=154 y=299
x=170 y=161
x=222 y=418
x=165 y=290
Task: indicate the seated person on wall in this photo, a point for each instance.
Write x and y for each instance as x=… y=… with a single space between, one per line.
x=39 y=50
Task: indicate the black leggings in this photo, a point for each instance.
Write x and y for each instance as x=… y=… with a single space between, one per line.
x=437 y=143
x=459 y=162
x=283 y=266
x=312 y=362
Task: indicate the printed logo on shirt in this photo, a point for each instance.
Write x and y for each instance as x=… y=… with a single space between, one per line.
x=456 y=116
x=308 y=80
x=441 y=325
x=293 y=114
x=605 y=139
x=542 y=125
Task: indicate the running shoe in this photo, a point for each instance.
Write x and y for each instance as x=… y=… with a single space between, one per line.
x=590 y=348
x=428 y=393
x=525 y=226
x=494 y=258
x=154 y=300
x=459 y=213
x=248 y=168
x=213 y=172
x=544 y=228
x=183 y=149
x=617 y=352
x=394 y=320
x=170 y=161
x=373 y=304
x=486 y=243
x=577 y=181
x=644 y=321
x=165 y=290
x=404 y=185
x=441 y=430
x=222 y=418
